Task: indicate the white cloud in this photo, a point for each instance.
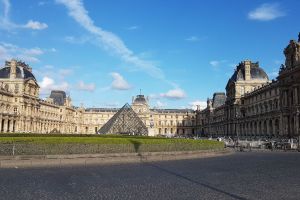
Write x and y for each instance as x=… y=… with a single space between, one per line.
x=217 y=63
x=115 y=104
x=41 y=3
x=119 y=83
x=47 y=84
x=266 y=12
x=154 y=96
x=160 y=104
x=77 y=40
x=9 y=51
x=214 y=63
x=53 y=50
x=108 y=40
x=196 y=103
x=273 y=74
x=192 y=39
x=6 y=23
x=65 y=72
x=86 y=87
x=35 y=25
x=131 y=28
x=174 y=94
x=34 y=51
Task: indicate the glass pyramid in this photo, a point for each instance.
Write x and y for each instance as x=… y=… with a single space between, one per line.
x=125 y=121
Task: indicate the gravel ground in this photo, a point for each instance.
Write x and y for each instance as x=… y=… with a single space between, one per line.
x=245 y=175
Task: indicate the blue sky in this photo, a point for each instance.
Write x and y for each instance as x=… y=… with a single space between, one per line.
x=178 y=52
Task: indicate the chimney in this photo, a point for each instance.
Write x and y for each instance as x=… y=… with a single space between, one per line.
x=13 y=68
x=247 y=65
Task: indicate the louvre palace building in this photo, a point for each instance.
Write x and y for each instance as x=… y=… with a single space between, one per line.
x=254 y=106
x=22 y=111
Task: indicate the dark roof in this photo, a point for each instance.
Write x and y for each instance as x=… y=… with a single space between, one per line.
x=218 y=99
x=255 y=71
x=21 y=72
x=140 y=99
x=58 y=97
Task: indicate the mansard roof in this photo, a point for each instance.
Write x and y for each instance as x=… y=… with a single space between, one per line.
x=218 y=99
x=58 y=97
x=23 y=71
x=255 y=71
x=140 y=99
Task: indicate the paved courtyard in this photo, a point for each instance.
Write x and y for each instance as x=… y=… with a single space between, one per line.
x=245 y=175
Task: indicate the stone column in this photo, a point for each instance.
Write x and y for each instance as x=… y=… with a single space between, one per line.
x=8 y=125
x=0 y=124
x=11 y=127
x=5 y=125
x=268 y=128
x=16 y=126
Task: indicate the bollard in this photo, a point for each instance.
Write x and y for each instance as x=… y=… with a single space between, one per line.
x=13 y=150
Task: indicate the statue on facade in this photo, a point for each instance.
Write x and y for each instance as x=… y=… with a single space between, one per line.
x=281 y=68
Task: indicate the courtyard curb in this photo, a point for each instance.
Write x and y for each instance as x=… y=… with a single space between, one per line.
x=28 y=161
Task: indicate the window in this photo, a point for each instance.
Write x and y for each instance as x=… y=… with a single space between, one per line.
x=242 y=90
x=16 y=88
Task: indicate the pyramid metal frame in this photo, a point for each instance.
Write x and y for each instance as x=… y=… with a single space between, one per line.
x=125 y=121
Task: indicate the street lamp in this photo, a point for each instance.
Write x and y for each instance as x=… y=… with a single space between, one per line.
x=298 y=113
x=236 y=124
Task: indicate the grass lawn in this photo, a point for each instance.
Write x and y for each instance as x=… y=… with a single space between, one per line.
x=97 y=139
x=60 y=144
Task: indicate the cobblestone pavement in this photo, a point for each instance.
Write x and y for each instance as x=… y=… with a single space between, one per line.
x=245 y=175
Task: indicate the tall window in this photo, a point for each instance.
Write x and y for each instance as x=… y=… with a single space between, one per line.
x=242 y=90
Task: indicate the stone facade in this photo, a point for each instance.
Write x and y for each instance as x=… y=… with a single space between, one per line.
x=256 y=107
x=21 y=109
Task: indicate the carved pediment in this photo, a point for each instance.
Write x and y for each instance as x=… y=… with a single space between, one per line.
x=31 y=82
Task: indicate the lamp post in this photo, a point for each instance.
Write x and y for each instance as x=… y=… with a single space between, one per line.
x=236 y=124
x=298 y=113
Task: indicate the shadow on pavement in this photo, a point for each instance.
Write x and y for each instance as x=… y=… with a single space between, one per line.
x=195 y=182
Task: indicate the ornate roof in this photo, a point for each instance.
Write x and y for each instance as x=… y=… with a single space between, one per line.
x=140 y=99
x=218 y=99
x=255 y=71
x=23 y=71
x=58 y=97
